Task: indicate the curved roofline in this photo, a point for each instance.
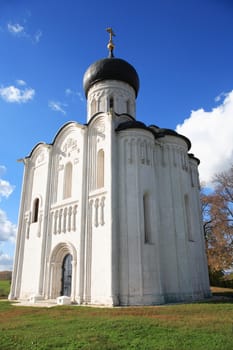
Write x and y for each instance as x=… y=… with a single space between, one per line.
x=93 y=117
x=156 y=131
x=133 y=125
x=55 y=137
x=191 y=155
x=111 y=68
x=174 y=133
x=126 y=114
x=37 y=146
x=64 y=126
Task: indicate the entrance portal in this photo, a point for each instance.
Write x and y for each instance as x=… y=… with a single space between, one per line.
x=66 y=275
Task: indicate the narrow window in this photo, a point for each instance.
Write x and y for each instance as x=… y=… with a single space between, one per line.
x=128 y=107
x=100 y=168
x=93 y=107
x=111 y=103
x=188 y=218
x=67 y=187
x=35 y=210
x=147 y=218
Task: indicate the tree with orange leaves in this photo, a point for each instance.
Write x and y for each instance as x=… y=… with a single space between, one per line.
x=218 y=222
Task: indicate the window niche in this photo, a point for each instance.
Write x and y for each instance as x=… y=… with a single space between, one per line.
x=128 y=109
x=111 y=103
x=188 y=218
x=100 y=168
x=147 y=219
x=67 y=185
x=35 y=210
x=93 y=106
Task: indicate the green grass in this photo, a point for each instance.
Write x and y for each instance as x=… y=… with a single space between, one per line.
x=201 y=326
x=4 y=288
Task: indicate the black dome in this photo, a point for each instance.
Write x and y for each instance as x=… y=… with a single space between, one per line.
x=111 y=69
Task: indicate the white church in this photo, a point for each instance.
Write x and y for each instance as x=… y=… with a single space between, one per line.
x=110 y=211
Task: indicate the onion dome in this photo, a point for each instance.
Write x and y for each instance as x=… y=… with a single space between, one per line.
x=111 y=68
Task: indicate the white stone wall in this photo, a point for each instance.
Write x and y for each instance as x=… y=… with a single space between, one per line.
x=170 y=266
x=138 y=260
x=32 y=232
x=99 y=228
x=66 y=215
x=124 y=204
x=99 y=95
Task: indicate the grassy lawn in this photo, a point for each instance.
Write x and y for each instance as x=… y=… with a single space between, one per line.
x=4 y=288
x=199 y=326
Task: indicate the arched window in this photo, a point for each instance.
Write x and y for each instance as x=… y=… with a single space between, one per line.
x=100 y=168
x=111 y=103
x=128 y=106
x=35 y=210
x=188 y=218
x=147 y=218
x=93 y=107
x=67 y=185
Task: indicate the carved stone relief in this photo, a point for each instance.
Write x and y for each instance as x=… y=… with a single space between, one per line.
x=96 y=206
x=69 y=149
x=64 y=219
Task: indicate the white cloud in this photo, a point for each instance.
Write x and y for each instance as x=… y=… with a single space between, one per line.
x=211 y=134
x=37 y=36
x=21 y=82
x=221 y=96
x=2 y=170
x=19 y=30
x=16 y=29
x=7 y=228
x=12 y=94
x=80 y=96
x=57 y=107
x=70 y=92
x=5 y=187
x=6 y=262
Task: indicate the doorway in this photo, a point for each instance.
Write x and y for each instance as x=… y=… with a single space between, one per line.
x=66 y=275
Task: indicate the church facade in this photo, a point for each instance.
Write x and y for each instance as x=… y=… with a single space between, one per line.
x=110 y=211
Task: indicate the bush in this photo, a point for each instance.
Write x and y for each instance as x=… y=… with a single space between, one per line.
x=4 y=289
x=220 y=279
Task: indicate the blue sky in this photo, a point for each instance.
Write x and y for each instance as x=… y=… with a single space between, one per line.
x=181 y=49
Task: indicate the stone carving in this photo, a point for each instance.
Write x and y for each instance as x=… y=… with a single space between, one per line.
x=98 y=213
x=100 y=129
x=69 y=148
x=64 y=219
x=70 y=145
x=145 y=153
x=27 y=218
x=40 y=158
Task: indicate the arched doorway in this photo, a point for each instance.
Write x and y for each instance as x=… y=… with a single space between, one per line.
x=66 y=275
x=62 y=273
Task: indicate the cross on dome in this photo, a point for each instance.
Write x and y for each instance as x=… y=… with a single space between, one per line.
x=110 y=45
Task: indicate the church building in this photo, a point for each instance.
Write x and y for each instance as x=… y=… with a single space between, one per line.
x=110 y=211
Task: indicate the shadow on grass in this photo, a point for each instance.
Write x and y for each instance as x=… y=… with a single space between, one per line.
x=219 y=297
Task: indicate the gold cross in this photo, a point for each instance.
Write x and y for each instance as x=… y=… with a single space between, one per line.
x=111 y=33
x=110 y=45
